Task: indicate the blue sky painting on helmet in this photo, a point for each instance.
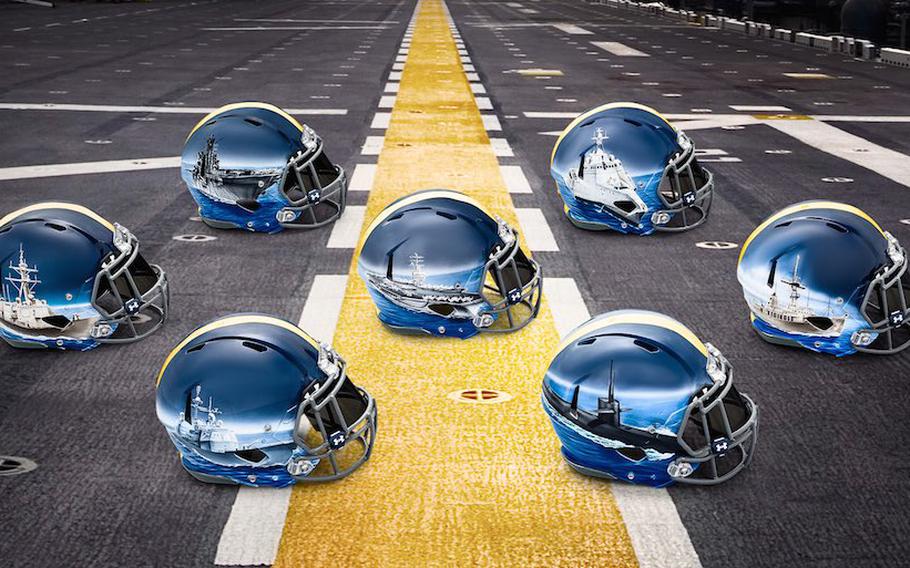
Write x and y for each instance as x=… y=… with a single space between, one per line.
x=806 y=273
x=425 y=263
x=609 y=165
x=235 y=164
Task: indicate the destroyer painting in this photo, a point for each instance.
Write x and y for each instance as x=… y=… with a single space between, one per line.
x=796 y=316
x=200 y=423
x=22 y=309
x=604 y=180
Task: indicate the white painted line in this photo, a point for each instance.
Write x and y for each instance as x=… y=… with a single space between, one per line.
x=483 y=103
x=515 y=179
x=108 y=166
x=478 y=88
x=572 y=29
x=294 y=21
x=491 y=122
x=346 y=230
x=468 y=67
x=652 y=521
x=501 y=148
x=152 y=109
x=834 y=141
x=536 y=231
x=760 y=108
x=372 y=146
x=854 y=118
x=387 y=101
x=397 y=66
x=620 y=49
x=391 y=87
x=291 y=28
x=473 y=77
x=362 y=180
x=395 y=76
x=381 y=120
x=253 y=530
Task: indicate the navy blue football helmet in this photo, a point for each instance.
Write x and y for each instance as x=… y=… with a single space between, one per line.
x=436 y=263
x=253 y=400
x=636 y=396
x=622 y=166
x=253 y=166
x=825 y=276
x=74 y=280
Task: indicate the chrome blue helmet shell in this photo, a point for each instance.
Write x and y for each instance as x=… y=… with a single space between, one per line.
x=622 y=166
x=252 y=166
x=825 y=276
x=73 y=280
x=636 y=396
x=253 y=400
x=436 y=263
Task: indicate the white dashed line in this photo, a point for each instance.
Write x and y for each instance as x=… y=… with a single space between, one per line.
x=53 y=170
x=491 y=122
x=372 y=146
x=346 y=230
x=387 y=101
x=151 y=109
x=536 y=231
x=619 y=49
x=362 y=180
x=501 y=148
x=572 y=29
x=484 y=103
x=760 y=108
x=515 y=179
x=381 y=120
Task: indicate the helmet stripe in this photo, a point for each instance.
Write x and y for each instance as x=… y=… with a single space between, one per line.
x=807 y=206
x=578 y=120
x=235 y=106
x=57 y=205
x=643 y=318
x=233 y=320
x=417 y=198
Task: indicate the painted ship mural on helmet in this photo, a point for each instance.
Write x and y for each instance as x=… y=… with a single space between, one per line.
x=25 y=313
x=200 y=423
x=214 y=181
x=796 y=314
x=604 y=181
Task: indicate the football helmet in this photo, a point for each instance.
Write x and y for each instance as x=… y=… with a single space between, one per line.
x=636 y=396
x=253 y=166
x=825 y=276
x=623 y=166
x=435 y=262
x=73 y=280
x=251 y=399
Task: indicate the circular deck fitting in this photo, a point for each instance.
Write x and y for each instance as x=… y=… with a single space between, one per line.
x=13 y=465
x=837 y=180
x=716 y=245
x=480 y=396
x=195 y=238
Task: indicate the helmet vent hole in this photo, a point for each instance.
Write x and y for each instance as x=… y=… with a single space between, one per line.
x=784 y=224
x=255 y=346
x=196 y=348
x=55 y=226
x=837 y=227
x=5 y=229
x=632 y=122
x=252 y=455
x=252 y=121
x=446 y=215
x=634 y=454
x=587 y=341
x=649 y=347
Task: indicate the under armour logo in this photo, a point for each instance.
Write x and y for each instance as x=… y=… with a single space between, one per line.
x=720 y=445
x=689 y=198
x=132 y=306
x=336 y=440
x=313 y=196
x=514 y=296
x=897 y=318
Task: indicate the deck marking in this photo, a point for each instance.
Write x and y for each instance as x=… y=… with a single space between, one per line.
x=372 y=145
x=491 y=122
x=652 y=521
x=253 y=530
x=760 y=108
x=536 y=231
x=843 y=145
x=346 y=230
x=381 y=120
x=516 y=181
x=620 y=49
x=475 y=507
x=153 y=109
x=77 y=168
x=387 y=101
x=501 y=148
x=362 y=180
x=572 y=29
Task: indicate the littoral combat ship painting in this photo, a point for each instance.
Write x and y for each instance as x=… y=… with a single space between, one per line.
x=604 y=180
x=211 y=178
x=21 y=308
x=417 y=295
x=795 y=317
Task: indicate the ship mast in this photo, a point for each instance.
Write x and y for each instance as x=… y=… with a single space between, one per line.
x=794 y=284
x=25 y=282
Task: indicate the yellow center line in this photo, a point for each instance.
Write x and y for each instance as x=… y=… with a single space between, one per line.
x=449 y=483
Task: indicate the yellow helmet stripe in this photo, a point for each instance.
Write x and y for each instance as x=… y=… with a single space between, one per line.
x=581 y=118
x=233 y=320
x=57 y=205
x=234 y=106
x=417 y=198
x=656 y=320
x=807 y=206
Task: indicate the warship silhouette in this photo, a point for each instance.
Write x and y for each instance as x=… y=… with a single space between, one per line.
x=794 y=318
x=211 y=178
x=199 y=423
x=418 y=296
x=25 y=310
x=604 y=181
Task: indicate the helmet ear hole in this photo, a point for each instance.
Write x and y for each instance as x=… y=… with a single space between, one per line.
x=252 y=455
x=631 y=453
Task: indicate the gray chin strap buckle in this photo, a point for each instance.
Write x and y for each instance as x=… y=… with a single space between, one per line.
x=679 y=468
x=301 y=466
x=483 y=320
